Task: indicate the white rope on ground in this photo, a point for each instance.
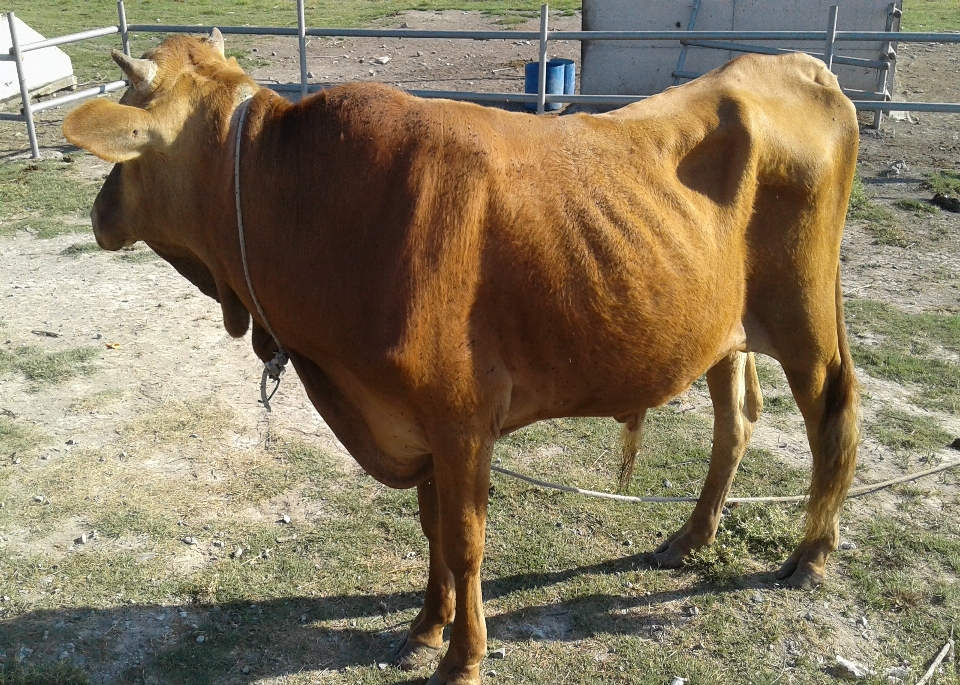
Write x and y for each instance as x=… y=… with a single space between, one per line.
x=855 y=492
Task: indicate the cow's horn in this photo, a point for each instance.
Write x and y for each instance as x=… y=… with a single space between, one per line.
x=215 y=39
x=141 y=71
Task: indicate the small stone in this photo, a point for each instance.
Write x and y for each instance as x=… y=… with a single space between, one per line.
x=846 y=545
x=284 y=519
x=693 y=611
x=201 y=639
x=38 y=498
x=63 y=655
x=381 y=60
x=382 y=666
x=850 y=670
x=628 y=543
x=273 y=53
x=863 y=622
x=757 y=598
x=218 y=543
x=310 y=74
x=82 y=540
x=808 y=616
x=237 y=553
x=265 y=554
x=16 y=460
x=498 y=653
x=372 y=72
x=303 y=618
x=71 y=441
x=667 y=484
x=677 y=680
x=897 y=674
x=245 y=670
x=491 y=673
x=194 y=435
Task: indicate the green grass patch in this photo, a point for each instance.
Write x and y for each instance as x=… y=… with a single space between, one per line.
x=78 y=249
x=916 y=206
x=943 y=182
x=900 y=430
x=48 y=198
x=137 y=255
x=908 y=351
x=15 y=674
x=97 y=401
x=931 y=15
x=178 y=420
x=766 y=532
x=48 y=367
x=878 y=219
x=903 y=330
x=16 y=437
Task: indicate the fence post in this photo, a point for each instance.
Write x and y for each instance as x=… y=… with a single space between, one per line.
x=24 y=93
x=691 y=24
x=302 y=36
x=887 y=55
x=831 y=36
x=124 y=36
x=542 y=71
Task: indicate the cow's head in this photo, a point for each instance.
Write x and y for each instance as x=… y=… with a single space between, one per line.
x=168 y=137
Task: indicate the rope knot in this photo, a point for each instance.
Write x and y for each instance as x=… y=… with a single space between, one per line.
x=273 y=369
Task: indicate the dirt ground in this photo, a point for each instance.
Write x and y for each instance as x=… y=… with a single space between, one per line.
x=170 y=339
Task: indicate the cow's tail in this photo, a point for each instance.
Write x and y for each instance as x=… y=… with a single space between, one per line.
x=630 y=439
x=839 y=436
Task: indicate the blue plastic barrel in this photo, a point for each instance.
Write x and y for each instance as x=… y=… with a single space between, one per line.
x=569 y=74
x=555 y=76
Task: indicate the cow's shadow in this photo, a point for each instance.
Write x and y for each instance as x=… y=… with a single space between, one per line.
x=243 y=642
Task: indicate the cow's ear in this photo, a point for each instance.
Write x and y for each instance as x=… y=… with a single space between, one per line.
x=115 y=133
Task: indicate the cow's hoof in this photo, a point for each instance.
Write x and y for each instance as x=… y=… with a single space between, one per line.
x=458 y=677
x=674 y=551
x=800 y=572
x=413 y=655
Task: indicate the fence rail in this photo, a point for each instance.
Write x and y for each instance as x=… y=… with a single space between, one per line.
x=715 y=39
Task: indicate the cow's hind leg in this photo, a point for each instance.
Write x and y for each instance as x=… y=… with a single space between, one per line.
x=425 y=638
x=826 y=392
x=735 y=391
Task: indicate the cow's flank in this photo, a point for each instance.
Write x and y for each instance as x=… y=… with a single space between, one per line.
x=443 y=273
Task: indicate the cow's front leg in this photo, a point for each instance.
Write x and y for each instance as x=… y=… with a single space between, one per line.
x=425 y=638
x=462 y=477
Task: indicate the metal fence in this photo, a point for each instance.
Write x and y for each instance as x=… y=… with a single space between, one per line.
x=829 y=37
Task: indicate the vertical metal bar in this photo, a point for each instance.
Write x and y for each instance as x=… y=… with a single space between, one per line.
x=302 y=37
x=886 y=49
x=831 y=36
x=683 y=47
x=24 y=93
x=542 y=72
x=124 y=35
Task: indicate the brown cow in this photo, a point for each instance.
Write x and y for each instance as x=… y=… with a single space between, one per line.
x=443 y=273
